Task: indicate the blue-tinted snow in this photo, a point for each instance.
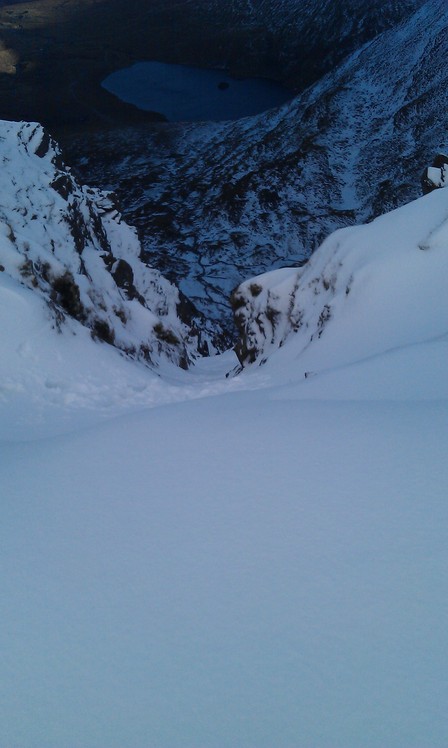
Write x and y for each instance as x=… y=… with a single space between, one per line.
x=189 y=560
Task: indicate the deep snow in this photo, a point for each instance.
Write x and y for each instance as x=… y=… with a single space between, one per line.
x=255 y=568
x=248 y=569
x=195 y=561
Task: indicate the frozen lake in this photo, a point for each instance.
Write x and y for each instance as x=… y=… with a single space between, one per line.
x=183 y=93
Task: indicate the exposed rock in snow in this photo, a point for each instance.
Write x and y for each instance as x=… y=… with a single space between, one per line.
x=366 y=290
x=68 y=243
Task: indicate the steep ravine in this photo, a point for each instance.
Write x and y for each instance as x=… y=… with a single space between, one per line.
x=216 y=204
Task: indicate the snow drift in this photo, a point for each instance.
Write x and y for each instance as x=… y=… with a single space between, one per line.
x=258 y=565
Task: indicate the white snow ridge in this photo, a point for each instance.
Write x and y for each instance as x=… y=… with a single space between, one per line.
x=367 y=290
x=191 y=560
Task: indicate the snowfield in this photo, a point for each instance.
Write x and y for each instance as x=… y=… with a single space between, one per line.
x=191 y=560
x=238 y=570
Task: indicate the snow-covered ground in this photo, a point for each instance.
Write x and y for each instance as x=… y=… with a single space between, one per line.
x=253 y=568
x=195 y=560
x=367 y=290
x=190 y=561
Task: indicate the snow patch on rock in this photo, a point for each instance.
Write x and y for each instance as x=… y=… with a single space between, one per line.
x=69 y=244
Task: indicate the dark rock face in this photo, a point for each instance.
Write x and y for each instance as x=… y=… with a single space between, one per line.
x=124 y=278
x=65 y=293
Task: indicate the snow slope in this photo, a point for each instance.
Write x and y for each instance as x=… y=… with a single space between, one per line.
x=379 y=287
x=256 y=561
x=234 y=571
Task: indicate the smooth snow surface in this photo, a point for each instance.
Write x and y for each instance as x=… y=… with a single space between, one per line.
x=251 y=568
x=195 y=561
x=232 y=572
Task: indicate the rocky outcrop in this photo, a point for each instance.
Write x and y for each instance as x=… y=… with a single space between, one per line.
x=69 y=244
x=265 y=313
x=269 y=308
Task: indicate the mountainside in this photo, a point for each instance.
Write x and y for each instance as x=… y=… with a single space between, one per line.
x=301 y=40
x=218 y=203
x=196 y=551
x=68 y=244
x=201 y=559
x=368 y=290
x=54 y=53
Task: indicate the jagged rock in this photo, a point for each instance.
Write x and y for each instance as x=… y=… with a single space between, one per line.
x=68 y=243
x=265 y=313
x=124 y=278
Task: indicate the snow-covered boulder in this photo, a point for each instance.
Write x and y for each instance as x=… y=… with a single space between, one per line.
x=69 y=244
x=436 y=175
x=366 y=290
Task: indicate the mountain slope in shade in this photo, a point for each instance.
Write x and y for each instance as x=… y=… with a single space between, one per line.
x=218 y=203
x=300 y=40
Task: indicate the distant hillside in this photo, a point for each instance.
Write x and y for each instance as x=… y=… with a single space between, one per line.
x=54 y=53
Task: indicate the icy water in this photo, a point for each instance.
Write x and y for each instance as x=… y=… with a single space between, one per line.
x=189 y=94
